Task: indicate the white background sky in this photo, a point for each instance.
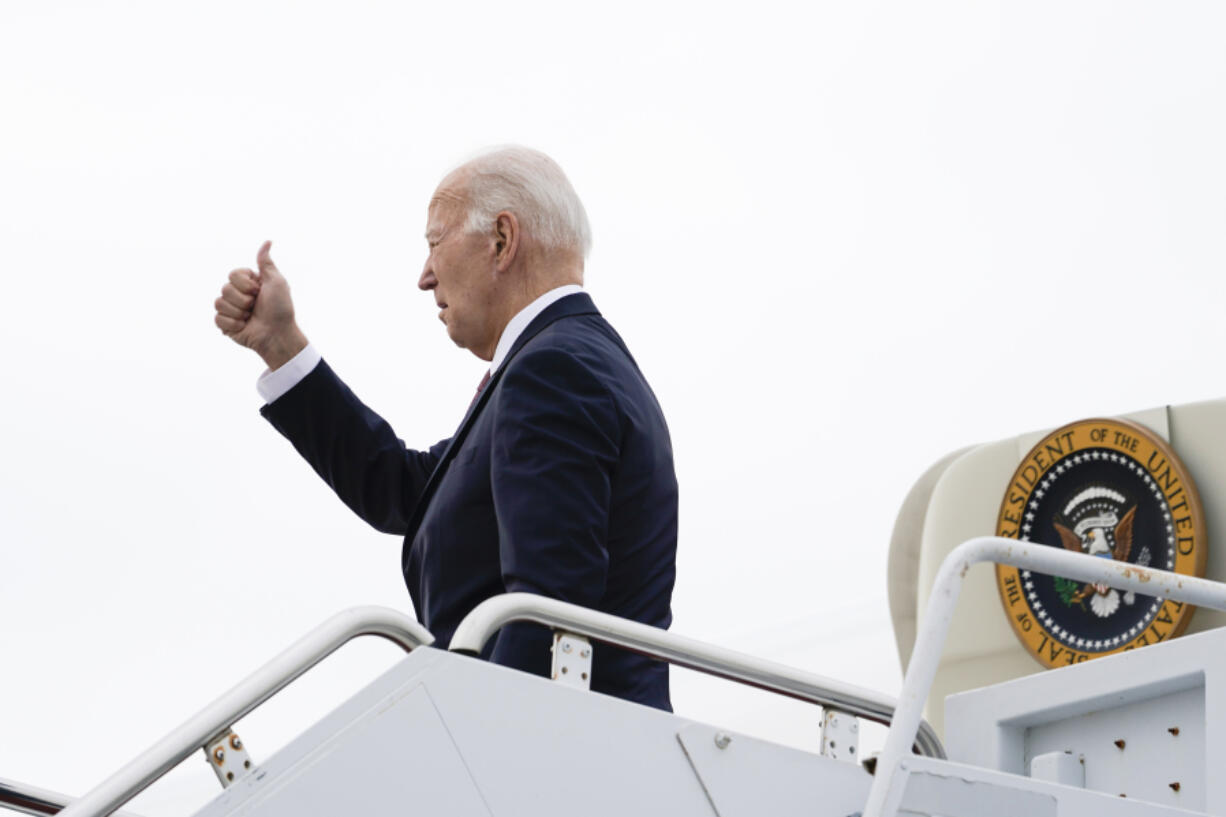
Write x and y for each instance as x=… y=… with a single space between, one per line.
x=841 y=241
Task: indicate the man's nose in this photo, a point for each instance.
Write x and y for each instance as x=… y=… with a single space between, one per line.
x=427 y=281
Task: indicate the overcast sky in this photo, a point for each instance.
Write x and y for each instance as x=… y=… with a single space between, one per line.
x=841 y=241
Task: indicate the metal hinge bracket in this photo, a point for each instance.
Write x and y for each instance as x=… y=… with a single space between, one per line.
x=572 y=660
x=228 y=758
x=840 y=735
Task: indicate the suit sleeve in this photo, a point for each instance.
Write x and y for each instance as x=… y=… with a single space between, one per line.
x=353 y=449
x=556 y=443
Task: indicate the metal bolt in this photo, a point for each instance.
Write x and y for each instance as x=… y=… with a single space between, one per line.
x=585 y=653
x=235 y=743
x=1175 y=785
x=722 y=740
x=564 y=670
x=1120 y=743
x=565 y=646
x=219 y=755
x=1174 y=730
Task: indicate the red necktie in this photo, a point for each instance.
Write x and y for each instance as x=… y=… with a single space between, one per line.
x=480 y=388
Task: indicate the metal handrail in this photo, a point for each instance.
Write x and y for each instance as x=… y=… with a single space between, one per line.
x=492 y=614
x=220 y=715
x=28 y=799
x=887 y=788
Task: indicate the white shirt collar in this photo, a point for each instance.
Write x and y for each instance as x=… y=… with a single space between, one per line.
x=520 y=322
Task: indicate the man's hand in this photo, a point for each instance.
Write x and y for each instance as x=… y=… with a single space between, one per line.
x=256 y=311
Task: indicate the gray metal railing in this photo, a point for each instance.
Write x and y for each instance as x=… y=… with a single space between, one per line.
x=216 y=718
x=27 y=799
x=492 y=614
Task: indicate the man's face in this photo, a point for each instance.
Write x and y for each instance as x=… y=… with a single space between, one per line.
x=460 y=272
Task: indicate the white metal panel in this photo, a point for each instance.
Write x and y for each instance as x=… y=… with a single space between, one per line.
x=1131 y=749
x=940 y=787
x=953 y=793
x=745 y=777
x=1137 y=697
x=540 y=748
x=396 y=760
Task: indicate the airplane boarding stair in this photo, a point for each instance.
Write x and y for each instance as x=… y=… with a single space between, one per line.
x=445 y=733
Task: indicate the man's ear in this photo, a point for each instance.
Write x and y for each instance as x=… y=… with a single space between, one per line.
x=506 y=240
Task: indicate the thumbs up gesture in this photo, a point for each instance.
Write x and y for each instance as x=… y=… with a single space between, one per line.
x=255 y=310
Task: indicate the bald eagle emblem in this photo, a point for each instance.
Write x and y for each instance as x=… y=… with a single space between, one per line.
x=1110 y=489
x=1096 y=527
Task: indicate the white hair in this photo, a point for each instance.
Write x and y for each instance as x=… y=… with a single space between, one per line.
x=529 y=184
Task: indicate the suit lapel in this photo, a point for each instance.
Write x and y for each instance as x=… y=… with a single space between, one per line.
x=578 y=304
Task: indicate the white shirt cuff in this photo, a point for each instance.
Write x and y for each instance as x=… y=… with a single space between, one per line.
x=273 y=384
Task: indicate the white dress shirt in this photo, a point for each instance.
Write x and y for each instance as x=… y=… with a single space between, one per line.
x=273 y=384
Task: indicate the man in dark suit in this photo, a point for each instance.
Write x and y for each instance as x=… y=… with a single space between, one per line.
x=559 y=480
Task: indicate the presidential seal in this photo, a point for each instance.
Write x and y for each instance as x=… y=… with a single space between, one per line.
x=1115 y=490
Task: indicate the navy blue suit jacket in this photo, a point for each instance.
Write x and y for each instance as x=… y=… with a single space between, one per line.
x=559 y=481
